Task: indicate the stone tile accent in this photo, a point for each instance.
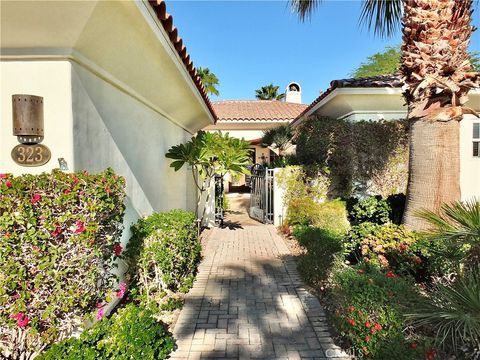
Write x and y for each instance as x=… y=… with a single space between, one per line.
x=248 y=302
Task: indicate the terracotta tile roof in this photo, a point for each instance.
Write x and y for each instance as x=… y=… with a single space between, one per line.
x=393 y=81
x=251 y=110
x=166 y=20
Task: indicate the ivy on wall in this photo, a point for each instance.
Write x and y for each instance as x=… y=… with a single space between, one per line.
x=360 y=157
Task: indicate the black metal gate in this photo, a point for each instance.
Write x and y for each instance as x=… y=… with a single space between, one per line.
x=261 y=194
x=219 y=203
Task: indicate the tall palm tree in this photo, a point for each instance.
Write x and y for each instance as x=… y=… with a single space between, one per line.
x=438 y=76
x=269 y=92
x=209 y=80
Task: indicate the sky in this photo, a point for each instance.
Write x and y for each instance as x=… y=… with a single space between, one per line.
x=249 y=44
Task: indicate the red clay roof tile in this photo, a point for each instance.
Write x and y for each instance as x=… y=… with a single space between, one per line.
x=251 y=110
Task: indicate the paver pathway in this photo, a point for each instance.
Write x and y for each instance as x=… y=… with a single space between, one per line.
x=249 y=302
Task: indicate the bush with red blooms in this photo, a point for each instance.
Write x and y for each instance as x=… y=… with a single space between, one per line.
x=369 y=308
x=59 y=237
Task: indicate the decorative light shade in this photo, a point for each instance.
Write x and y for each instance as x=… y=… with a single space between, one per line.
x=27 y=118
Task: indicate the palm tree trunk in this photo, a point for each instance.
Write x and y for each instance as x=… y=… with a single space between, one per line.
x=438 y=76
x=434 y=167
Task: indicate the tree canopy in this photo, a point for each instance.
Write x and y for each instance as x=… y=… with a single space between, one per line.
x=269 y=92
x=209 y=80
x=388 y=62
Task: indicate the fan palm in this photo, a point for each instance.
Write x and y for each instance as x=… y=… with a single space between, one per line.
x=279 y=137
x=209 y=80
x=269 y=92
x=438 y=76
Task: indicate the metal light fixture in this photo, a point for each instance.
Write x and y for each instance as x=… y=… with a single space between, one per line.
x=28 y=118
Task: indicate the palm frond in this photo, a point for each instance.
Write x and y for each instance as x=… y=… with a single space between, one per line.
x=453 y=311
x=304 y=8
x=384 y=16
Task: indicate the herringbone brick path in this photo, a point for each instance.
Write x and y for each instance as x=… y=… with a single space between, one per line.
x=249 y=302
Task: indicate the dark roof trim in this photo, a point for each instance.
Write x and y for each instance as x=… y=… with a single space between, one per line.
x=393 y=81
x=166 y=20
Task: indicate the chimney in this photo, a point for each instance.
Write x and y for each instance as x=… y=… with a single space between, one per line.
x=293 y=93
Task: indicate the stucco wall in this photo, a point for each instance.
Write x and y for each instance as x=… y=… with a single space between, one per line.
x=113 y=129
x=469 y=165
x=50 y=79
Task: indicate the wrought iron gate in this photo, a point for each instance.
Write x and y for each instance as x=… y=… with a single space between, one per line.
x=219 y=204
x=261 y=194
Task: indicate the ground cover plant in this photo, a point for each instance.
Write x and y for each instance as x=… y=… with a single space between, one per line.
x=131 y=333
x=59 y=241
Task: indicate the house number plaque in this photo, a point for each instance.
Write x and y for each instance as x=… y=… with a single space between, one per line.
x=31 y=155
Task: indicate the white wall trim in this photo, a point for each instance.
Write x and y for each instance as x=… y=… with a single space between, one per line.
x=402 y=114
x=157 y=28
x=67 y=54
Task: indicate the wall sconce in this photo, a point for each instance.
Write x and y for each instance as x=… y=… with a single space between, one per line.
x=28 y=128
x=28 y=118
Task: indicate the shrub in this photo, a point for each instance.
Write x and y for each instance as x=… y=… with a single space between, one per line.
x=371 y=209
x=322 y=249
x=302 y=211
x=60 y=238
x=456 y=232
x=453 y=312
x=163 y=253
x=369 y=312
x=131 y=333
x=352 y=242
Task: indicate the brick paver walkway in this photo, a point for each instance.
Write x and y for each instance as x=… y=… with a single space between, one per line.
x=249 y=302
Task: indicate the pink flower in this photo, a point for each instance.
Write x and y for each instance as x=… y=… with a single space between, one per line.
x=368 y=324
x=367 y=338
x=8 y=184
x=75 y=180
x=121 y=291
x=22 y=319
x=35 y=198
x=3 y=176
x=107 y=190
x=100 y=314
x=80 y=227
x=117 y=249
x=352 y=322
x=67 y=191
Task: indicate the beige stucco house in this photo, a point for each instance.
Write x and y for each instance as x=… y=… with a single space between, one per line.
x=380 y=97
x=118 y=87
x=248 y=119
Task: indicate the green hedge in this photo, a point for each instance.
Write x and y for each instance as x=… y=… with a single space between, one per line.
x=59 y=240
x=360 y=156
x=131 y=333
x=163 y=254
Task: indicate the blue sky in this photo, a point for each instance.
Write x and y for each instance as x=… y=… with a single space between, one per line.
x=248 y=44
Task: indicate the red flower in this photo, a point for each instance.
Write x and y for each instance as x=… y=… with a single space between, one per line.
x=352 y=322
x=80 y=227
x=367 y=338
x=378 y=327
x=57 y=231
x=8 y=184
x=117 y=249
x=107 y=190
x=75 y=180
x=413 y=345
x=35 y=198
x=430 y=354
x=365 y=351
x=368 y=324
x=373 y=330
x=390 y=275
x=67 y=191
x=402 y=247
x=3 y=176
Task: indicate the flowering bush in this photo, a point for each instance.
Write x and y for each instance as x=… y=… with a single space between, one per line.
x=59 y=240
x=369 y=311
x=131 y=333
x=163 y=254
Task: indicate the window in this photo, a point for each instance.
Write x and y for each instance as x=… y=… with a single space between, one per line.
x=476 y=139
